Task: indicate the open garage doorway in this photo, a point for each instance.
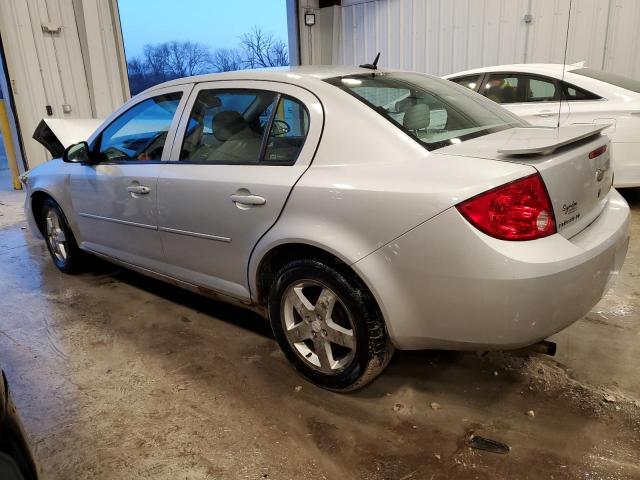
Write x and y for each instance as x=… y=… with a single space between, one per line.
x=170 y=41
x=10 y=151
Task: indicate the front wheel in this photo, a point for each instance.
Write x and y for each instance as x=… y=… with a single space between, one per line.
x=328 y=325
x=60 y=240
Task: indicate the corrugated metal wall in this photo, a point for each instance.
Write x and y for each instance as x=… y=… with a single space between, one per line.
x=61 y=52
x=446 y=36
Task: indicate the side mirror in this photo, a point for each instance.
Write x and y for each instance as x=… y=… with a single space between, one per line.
x=77 y=153
x=279 y=128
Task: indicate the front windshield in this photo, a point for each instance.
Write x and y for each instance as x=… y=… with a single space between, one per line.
x=435 y=112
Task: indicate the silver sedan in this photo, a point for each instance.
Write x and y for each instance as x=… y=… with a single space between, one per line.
x=359 y=210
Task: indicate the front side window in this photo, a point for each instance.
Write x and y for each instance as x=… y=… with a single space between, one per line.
x=140 y=132
x=435 y=112
x=470 y=81
x=227 y=126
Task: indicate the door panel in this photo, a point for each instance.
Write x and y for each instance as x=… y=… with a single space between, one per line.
x=114 y=221
x=211 y=215
x=115 y=198
x=208 y=238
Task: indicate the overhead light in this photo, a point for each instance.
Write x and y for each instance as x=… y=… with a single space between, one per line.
x=351 y=81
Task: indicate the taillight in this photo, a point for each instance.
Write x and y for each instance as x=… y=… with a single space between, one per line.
x=597 y=152
x=519 y=210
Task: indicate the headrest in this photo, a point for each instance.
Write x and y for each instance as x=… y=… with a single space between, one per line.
x=417 y=117
x=226 y=124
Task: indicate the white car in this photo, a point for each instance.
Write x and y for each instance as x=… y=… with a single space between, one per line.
x=539 y=94
x=359 y=210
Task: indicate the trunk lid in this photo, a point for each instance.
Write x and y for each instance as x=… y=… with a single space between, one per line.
x=56 y=134
x=577 y=184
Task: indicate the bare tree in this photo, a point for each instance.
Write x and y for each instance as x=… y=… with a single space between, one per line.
x=187 y=58
x=262 y=50
x=169 y=60
x=156 y=60
x=227 y=60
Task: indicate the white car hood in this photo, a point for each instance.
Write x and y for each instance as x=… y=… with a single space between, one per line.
x=56 y=134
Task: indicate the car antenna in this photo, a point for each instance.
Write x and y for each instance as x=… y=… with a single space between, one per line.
x=564 y=62
x=372 y=66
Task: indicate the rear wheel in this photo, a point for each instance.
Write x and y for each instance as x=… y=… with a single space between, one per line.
x=328 y=325
x=59 y=238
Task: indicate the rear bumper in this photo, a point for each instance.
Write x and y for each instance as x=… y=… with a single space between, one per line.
x=446 y=285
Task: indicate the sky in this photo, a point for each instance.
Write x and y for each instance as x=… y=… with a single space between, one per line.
x=217 y=23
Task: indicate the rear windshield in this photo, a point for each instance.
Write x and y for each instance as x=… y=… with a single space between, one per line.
x=435 y=112
x=612 y=78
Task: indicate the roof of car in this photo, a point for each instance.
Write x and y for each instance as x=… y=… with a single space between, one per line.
x=548 y=68
x=298 y=75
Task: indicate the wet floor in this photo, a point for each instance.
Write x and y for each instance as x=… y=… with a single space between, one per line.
x=118 y=376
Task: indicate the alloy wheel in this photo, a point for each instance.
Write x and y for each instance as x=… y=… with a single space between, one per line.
x=56 y=237
x=318 y=326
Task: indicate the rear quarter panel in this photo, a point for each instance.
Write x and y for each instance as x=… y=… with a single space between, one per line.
x=370 y=183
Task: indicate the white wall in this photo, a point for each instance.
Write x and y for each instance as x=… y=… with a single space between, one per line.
x=446 y=36
x=79 y=64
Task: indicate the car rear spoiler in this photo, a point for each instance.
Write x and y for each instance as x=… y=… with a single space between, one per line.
x=521 y=143
x=56 y=134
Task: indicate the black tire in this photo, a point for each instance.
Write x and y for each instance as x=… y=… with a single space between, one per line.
x=74 y=258
x=373 y=350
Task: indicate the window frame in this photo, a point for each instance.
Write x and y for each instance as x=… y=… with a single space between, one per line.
x=479 y=80
x=279 y=89
x=559 y=83
x=96 y=138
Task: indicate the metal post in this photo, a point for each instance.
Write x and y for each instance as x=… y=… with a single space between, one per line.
x=8 y=146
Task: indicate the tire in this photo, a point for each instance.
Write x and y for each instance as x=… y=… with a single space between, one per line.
x=59 y=238
x=328 y=325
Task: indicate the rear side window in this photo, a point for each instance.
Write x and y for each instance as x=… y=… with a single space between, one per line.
x=542 y=90
x=140 y=132
x=612 y=78
x=227 y=126
x=573 y=93
x=245 y=127
x=469 y=81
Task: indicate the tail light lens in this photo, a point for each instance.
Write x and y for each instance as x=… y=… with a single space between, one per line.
x=519 y=210
x=597 y=152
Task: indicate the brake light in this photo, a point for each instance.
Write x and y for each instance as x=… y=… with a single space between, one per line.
x=597 y=152
x=519 y=210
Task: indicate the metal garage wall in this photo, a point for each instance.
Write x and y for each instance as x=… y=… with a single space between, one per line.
x=445 y=36
x=61 y=54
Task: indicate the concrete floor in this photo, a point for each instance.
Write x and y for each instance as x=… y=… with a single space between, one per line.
x=118 y=376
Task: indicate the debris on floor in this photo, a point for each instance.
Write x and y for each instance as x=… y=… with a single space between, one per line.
x=488 y=445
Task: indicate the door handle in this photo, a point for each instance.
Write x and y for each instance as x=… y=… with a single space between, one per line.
x=247 y=200
x=546 y=113
x=138 y=189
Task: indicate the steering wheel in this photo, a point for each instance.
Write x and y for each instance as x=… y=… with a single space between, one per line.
x=143 y=150
x=114 y=153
